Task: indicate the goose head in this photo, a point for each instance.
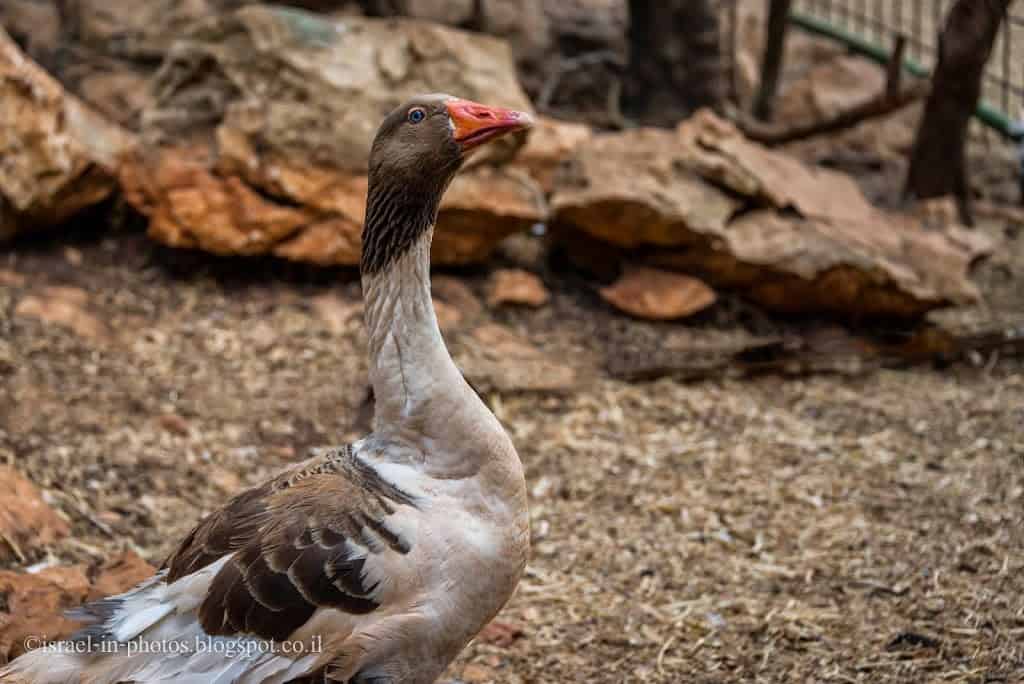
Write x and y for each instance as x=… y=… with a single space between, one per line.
x=417 y=151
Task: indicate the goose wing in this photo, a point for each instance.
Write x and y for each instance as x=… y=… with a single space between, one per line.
x=295 y=544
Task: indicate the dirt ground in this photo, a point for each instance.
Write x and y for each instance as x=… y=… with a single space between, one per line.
x=822 y=529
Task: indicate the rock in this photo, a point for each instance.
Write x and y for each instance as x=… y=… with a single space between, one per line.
x=551 y=143
x=117 y=45
x=59 y=156
x=118 y=575
x=523 y=23
x=806 y=240
x=515 y=286
x=495 y=359
x=25 y=518
x=32 y=607
x=450 y=12
x=658 y=295
x=634 y=188
x=65 y=307
x=482 y=207
x=274 y=162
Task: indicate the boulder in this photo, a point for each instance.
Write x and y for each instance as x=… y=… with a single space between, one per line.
x=258 y=137
x=105 y=51
x=794 y=238
x=57 y=156
x=633 y=188
x=523 y=22
x=551 y=142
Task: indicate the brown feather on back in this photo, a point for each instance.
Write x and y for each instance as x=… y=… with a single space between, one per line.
x=292 y=544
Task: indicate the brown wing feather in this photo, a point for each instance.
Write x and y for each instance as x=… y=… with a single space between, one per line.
x=289 y=545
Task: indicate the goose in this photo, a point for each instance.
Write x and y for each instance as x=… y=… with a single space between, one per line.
x=375 y=562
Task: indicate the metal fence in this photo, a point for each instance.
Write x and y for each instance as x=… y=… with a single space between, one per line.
x=919 y=21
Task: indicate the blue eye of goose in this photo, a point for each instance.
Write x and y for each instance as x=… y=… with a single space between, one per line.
x=417 y=115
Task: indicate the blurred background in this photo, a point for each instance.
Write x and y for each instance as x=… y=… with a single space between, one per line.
x=749 y=300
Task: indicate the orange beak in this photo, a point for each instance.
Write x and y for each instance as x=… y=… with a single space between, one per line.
x=476 y=124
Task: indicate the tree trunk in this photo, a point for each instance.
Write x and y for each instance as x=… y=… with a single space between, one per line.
x=675 y=63
x=938 y=162
x=771 y=64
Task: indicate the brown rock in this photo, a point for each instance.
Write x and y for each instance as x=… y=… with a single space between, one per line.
x=633 y=188
x=66 y=307
x=25 y=518
x=818 y=246
x=35 y=605
x=118 y=575
x=494 y=358
x=281 y=166
x=719 y=152
x=658 y=295
x=551 y=143
x=118 y=45
x=452 y=12
x=482 y=207
x=515 y=286
x=523 y=22
x=58 y=155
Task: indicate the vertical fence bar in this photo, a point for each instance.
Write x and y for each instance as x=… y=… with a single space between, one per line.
x=917 y=29
x=774 y=51
x=1007 y=66
x=732 y=40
